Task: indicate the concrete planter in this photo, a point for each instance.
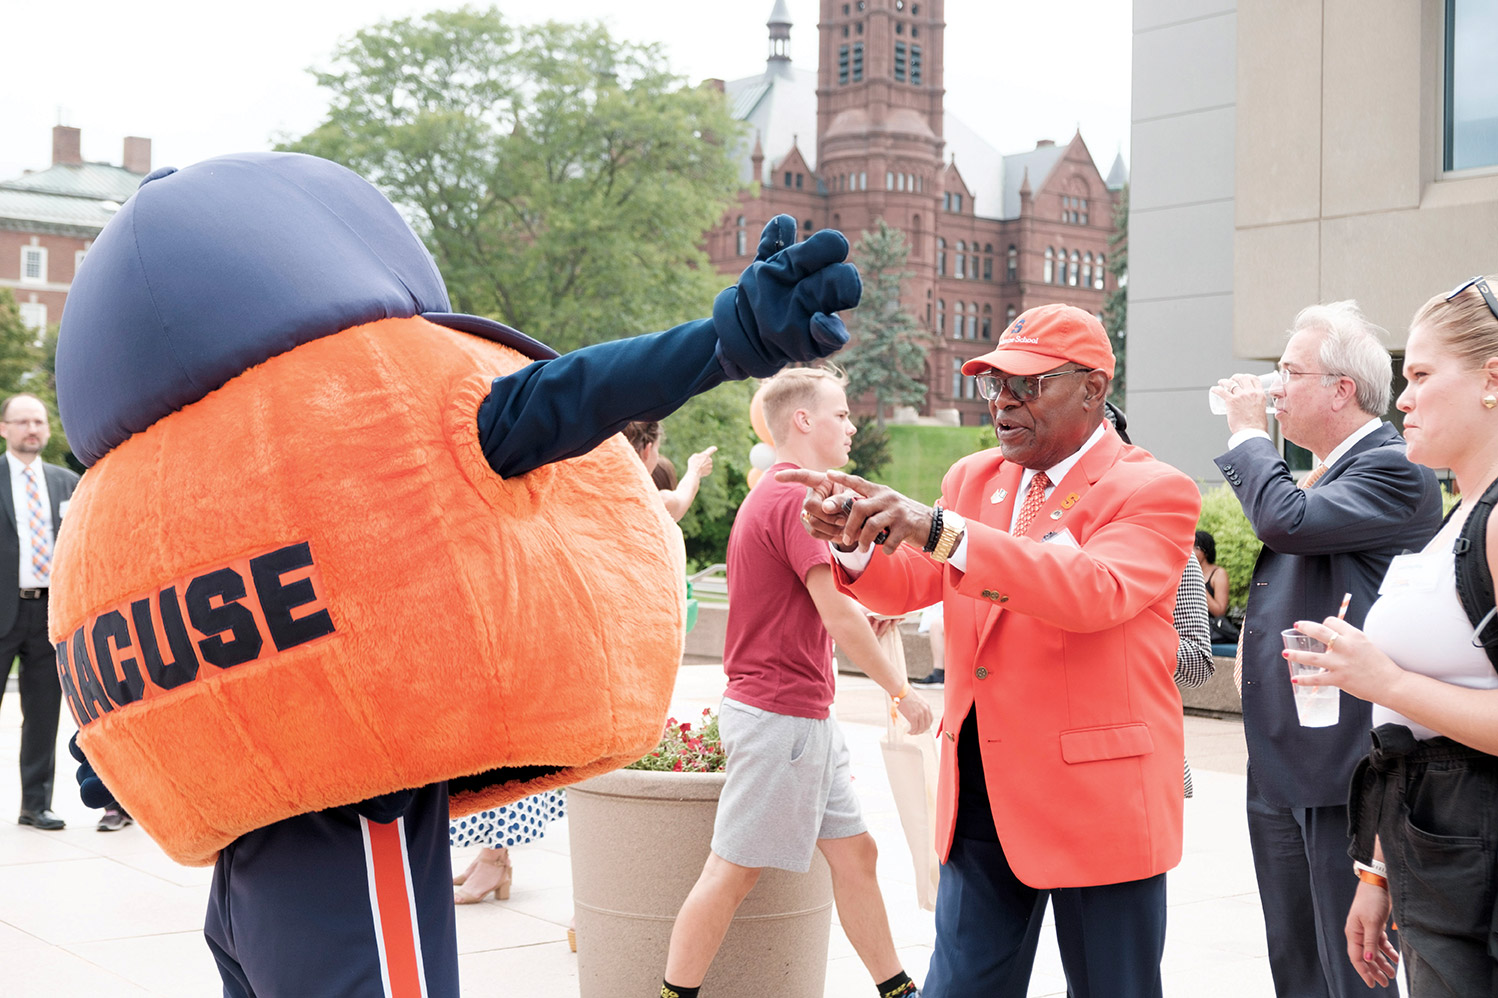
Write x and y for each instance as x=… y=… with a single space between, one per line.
x=638 y=842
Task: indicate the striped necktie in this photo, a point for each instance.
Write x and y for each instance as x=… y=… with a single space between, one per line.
x=41 y=542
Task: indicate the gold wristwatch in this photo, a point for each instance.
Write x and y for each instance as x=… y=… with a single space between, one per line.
x=952 y=529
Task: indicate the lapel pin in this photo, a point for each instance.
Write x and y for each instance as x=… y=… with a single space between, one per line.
x=1070 y=500
x=1055 y=514
x=1000 y=495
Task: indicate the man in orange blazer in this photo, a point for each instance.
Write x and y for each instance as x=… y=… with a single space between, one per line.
x=1057 y=558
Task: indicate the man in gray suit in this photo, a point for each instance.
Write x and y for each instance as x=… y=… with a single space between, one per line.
x=32 y=495
x=1362 y=504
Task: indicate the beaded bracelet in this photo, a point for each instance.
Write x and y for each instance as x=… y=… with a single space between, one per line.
x=935 y=534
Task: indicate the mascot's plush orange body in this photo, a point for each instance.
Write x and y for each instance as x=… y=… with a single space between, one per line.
x=338 y=547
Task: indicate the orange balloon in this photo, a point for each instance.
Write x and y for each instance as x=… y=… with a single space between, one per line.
x=755 y=474
x=757 y=418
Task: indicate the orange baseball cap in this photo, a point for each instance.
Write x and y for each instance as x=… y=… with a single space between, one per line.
x=1045 y=337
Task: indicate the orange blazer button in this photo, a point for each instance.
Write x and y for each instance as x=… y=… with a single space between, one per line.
x=982 y=672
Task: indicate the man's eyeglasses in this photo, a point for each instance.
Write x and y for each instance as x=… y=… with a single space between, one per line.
x=1481 y=284
x=1287 y=373
x=1024 y=387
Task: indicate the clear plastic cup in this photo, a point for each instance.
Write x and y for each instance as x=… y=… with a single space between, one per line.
x=1315 y=706
x=1271 y=383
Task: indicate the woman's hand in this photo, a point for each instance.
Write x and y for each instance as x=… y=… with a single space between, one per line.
x=1351 y=661
x=701 y=463
x=1368 y=947
x=917 y=713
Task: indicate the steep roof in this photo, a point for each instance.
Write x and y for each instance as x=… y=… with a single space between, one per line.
x=779 y=105
x=1039 y=162
x=1118 y=174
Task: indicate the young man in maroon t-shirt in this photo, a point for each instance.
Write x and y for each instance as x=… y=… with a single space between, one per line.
x=788 y=790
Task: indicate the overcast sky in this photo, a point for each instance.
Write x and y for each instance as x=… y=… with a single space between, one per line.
x=201 y=79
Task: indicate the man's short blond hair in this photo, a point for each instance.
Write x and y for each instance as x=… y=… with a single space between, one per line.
x=794 y=388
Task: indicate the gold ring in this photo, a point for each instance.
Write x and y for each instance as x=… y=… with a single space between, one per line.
x=1332 y=640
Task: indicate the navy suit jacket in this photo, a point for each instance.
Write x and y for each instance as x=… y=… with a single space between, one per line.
x=1336 y=537
x=60 y=485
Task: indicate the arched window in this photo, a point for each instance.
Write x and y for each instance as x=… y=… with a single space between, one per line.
x=863 y=180
x=741 y=238
x=1009 y=315
x=941 y=314
x=1011 y=263
x=837 y=221
x=972 y=320
x=889 y=180
x=957 y=320
x=1086 y=270
x=1071 y=275
x=987 y=322
x=957 y=377
x=1050 y=258
x=972 y=263
x=807 y=228
x=961 y=267
x=941 y=257
x=988 y=268
x=1099 y=273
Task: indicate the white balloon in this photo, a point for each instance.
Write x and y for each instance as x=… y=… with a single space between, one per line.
x=762 y=456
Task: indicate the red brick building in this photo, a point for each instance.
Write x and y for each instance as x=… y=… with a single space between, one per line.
x=49 y=218
x=866 y=137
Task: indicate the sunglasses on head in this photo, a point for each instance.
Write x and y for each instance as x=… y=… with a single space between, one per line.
x=1481 y=284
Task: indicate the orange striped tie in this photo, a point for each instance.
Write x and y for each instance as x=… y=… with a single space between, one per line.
x=1034 y=499
x=1314 y=476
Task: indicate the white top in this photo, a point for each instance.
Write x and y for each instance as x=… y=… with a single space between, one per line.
x=856 y=561
x=1418 y=621
x=23 y=518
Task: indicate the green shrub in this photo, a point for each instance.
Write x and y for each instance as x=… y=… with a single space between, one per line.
x=1237 y=547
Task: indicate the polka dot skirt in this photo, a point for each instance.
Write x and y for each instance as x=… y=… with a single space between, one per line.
x=514 y=824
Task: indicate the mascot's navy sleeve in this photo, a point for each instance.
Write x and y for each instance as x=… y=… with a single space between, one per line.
x=782 y=310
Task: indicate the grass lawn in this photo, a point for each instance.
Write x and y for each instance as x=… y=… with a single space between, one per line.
x=921 y=455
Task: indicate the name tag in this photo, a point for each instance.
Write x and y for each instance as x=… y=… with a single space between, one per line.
x=1063 y=537
x=1413 y=573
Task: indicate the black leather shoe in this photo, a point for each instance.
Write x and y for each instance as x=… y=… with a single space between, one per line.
x=935 y=681
x=43 y=819
x=114 y=819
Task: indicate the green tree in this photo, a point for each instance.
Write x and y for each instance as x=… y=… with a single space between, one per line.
x=28 y=364
x=562 y=179
x=869 y=454
x=886 y=357
x=1237 y=546
x=717 y=418
x=1116 y=304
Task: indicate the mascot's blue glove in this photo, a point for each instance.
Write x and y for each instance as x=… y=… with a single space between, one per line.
x=90 y=787
x=781 y=311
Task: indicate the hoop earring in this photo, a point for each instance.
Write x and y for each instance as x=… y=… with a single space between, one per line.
x=1489 y=400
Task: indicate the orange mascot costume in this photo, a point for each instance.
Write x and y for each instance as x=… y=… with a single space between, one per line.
x=341 y=555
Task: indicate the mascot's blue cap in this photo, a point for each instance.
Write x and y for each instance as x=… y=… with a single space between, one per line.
x=208 y=271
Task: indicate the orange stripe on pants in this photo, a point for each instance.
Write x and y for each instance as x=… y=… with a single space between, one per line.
x=394 y=909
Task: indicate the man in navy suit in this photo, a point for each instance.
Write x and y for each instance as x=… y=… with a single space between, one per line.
x=32 y=494
x=1333 y=534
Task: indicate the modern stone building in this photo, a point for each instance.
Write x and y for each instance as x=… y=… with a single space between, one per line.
x=1287 y=152
x=866 y=137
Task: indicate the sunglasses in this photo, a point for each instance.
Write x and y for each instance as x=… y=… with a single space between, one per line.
x=1481 y=284
x=1024 y=387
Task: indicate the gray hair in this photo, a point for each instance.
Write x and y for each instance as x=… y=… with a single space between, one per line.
x=1353 y=348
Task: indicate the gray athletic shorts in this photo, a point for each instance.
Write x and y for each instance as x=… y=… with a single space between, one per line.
x=788 y=785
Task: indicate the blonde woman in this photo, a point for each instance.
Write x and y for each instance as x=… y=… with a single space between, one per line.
x=1424 y=803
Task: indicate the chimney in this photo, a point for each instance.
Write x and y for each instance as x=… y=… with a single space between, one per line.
x=66 y=146
x=1044 y=143
x=137 y=154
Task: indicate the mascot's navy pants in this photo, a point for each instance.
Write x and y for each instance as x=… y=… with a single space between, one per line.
x=333 y=904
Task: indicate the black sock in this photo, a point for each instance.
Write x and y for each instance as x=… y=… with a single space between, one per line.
x=669 y=990
x=897 y=986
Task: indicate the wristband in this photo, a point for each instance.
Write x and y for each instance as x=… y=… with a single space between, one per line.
x=904 y=692
x=1377 y=867
x=935 y=533
x=1372 y=878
